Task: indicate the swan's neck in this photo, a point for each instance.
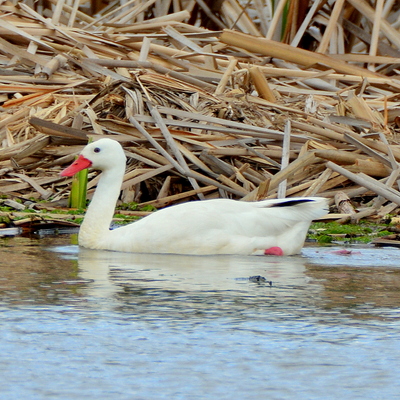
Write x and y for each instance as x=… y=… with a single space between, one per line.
x=96 y=224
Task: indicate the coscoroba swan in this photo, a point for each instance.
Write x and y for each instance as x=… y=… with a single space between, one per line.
x=218 y=226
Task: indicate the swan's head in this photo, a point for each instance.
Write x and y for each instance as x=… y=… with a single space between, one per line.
x=103 y=154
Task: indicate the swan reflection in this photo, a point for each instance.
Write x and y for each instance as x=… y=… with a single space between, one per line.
x=109 y=269
x=317 y=283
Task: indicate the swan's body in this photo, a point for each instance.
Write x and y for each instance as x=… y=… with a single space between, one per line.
x=218 y=226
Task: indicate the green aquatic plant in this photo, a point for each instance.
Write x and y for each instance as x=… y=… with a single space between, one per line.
x=125 y=219
x=77 y=197
x=78 y=194
x=133 y=206
x=363 y=232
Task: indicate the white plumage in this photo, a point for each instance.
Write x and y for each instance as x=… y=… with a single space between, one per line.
x=218 y=226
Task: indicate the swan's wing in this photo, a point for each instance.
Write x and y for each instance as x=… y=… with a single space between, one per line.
x=296 y=209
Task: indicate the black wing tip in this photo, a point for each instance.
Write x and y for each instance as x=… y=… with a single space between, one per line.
x=294 y=202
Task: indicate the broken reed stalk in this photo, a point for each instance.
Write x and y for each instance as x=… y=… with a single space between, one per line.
x=261 y=84
x=288 y=53
x=332 y=25
x=285 y=159
x=367 y=182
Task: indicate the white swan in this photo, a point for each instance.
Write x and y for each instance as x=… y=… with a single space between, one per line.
x=218 y=226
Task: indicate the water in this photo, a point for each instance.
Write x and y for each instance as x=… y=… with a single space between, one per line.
x=81 y=324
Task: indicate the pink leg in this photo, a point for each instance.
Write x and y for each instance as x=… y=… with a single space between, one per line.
x=273 y=251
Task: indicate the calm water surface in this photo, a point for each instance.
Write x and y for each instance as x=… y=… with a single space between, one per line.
x=80 y=324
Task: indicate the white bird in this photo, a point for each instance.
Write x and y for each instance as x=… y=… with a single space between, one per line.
x=218 y=226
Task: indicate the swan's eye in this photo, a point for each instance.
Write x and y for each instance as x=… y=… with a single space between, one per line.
x=96 y=150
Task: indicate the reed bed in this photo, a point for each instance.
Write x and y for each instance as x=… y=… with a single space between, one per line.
x=209 y=99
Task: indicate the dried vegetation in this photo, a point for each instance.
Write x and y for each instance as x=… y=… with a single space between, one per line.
x=209 y=99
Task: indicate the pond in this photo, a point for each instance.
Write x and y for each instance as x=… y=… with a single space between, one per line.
x=82 y=324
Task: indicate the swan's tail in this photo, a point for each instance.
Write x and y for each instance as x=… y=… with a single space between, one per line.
x=298 y=208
